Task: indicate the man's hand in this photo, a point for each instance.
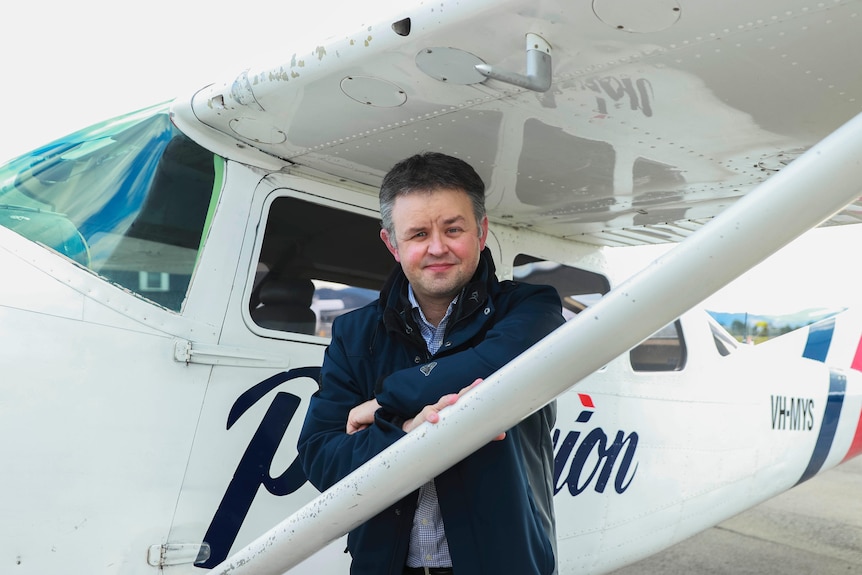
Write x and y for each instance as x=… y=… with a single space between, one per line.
x=431 y=413
x=361 y=416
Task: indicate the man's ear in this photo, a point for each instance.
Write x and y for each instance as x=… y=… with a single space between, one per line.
x=484 y=228
x=393 y=249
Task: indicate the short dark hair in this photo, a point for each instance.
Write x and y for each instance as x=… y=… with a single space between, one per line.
x=428 y=172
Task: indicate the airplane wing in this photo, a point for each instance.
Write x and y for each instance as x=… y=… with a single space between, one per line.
x=658 y=114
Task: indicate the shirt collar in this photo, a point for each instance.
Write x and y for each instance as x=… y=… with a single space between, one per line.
x=415 y=303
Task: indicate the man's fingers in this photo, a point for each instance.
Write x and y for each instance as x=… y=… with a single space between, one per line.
x=431 y=413
x=351 y=429
x=447 y=400
x=361 y=416
x=469 y=387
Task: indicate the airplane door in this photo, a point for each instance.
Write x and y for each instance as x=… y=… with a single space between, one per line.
x=304 y=261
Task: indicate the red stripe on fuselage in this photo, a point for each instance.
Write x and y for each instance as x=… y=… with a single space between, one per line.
x=857 y=359
x=856 y=446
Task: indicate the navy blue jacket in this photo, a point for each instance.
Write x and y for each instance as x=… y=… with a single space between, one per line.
x=497 y=503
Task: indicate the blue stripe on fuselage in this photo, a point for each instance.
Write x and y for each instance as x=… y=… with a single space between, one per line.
x=816 y=348
x=837 y=387
x=819 y=340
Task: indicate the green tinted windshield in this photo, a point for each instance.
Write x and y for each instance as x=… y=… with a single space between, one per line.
x=128 y=198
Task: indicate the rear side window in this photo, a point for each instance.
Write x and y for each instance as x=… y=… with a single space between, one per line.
x=662 y=351
x=316 y=263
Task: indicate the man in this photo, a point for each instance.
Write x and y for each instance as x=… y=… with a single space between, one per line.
x=442 y=323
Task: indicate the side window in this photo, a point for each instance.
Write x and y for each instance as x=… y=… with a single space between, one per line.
x=663 y=351
x=316 y=263
x=128 y=198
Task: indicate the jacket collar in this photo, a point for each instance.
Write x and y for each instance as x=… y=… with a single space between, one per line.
x=394 y=301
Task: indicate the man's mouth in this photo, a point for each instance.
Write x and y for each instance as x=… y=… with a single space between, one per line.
x=439 y=267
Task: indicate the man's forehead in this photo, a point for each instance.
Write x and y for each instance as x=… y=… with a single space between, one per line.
x=421 y=196
x=431 y=191
x=420 y=209
x=420 y=221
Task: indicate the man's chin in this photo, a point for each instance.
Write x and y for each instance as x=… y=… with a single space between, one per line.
x=440 y=290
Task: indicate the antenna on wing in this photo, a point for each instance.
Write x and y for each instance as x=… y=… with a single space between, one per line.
x=538 y=77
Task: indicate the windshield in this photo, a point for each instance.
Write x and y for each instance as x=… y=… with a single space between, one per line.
x=128 y=198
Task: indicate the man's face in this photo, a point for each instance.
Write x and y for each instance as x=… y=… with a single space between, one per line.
x=437 y=242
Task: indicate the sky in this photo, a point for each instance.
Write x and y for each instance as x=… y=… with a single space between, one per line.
x=817 y=270
x=67 y=65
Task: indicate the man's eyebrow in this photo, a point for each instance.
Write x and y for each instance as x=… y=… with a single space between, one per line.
x=446 y=222
x=454 y=219
x=415 y=229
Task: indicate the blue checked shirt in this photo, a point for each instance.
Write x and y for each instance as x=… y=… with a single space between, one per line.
x=428 y=544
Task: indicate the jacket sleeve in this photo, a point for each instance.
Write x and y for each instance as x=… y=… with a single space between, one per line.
x=527 y=314
x=327 y=453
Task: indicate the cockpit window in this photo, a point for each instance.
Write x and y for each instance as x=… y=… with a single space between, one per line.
x=128 y=198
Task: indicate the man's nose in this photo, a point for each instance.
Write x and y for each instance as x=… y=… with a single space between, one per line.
x=437 y=245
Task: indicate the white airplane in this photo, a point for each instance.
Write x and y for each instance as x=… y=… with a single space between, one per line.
x=170 y=276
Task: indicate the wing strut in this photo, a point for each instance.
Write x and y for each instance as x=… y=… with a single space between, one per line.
x=810 y=190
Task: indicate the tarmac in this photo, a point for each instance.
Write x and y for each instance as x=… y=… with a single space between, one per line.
x=815 y=528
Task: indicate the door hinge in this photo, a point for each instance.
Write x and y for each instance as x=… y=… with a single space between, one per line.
x=177 y=554
x=214 y=354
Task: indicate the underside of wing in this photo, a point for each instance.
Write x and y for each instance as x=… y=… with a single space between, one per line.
x=659 y=114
